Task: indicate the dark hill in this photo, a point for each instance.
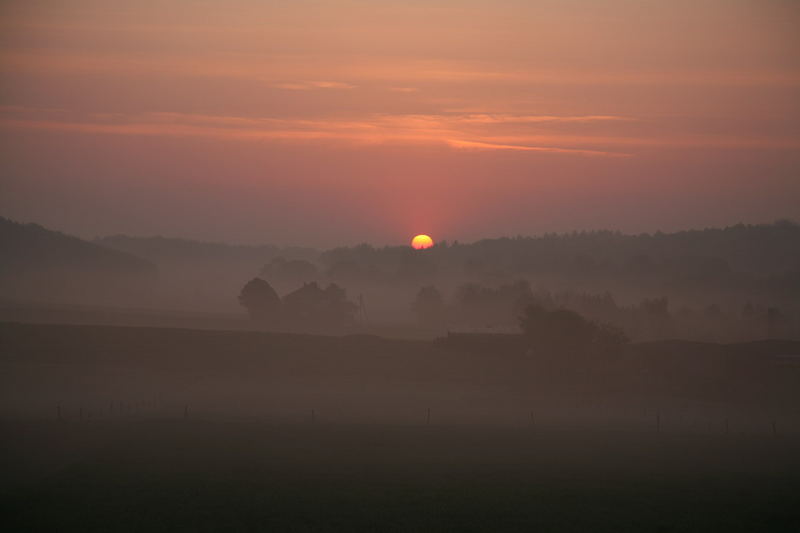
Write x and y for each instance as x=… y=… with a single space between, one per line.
x=163 y=249
x=45 y=265
x=720 y=265
x=201 y=276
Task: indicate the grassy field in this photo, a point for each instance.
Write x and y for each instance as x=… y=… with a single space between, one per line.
x=105 y=371
x=146 y=429
x=184 y=475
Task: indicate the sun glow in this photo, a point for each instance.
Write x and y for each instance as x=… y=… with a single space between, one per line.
x=420 y=242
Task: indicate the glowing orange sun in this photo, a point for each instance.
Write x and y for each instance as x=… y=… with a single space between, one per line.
x=420 y=242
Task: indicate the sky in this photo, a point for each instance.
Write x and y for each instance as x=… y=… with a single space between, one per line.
x=325 y=123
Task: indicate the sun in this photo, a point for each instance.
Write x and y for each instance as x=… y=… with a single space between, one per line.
x=420 y=242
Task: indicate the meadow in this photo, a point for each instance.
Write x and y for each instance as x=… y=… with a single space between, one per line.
x=185 y=475
x=148 y=429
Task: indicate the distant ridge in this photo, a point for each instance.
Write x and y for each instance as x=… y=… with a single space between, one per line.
x=46 y=265
x=750 y=261
x=201 y=276
x=160 y=248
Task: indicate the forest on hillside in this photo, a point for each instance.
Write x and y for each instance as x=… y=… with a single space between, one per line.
x=735 y=283
x=731 y=284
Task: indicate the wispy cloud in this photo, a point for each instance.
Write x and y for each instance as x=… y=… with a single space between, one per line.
x=458 y=131
x=457 y=143
x=310 y=85
x=531 y=119
x=403 y=74
x=473 y=131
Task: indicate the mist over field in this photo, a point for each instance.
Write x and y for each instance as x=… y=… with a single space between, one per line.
x=738 y=283
x=381 y=266
x=217 y=381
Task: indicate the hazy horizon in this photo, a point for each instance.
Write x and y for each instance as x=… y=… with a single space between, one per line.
x=439 y=239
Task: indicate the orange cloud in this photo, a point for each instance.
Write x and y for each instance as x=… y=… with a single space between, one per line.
x=492 y=146
x=484 y=131
x=276 y=69
x=452 y=130
x=306 y=86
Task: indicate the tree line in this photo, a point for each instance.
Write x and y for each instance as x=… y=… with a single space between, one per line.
x=310 y=307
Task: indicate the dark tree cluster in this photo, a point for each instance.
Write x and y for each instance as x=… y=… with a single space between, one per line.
x=561 y=332
x=429 y=308
x=474 y=307
x=691 y=284
x=309 y=307
x=747 y=260
x=260 y=300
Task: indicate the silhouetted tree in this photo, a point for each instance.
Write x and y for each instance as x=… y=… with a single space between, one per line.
x=564 y=336
x=260 y=300
x=340 y=310
x=556 y=332
x=312 y=307
x=429 y=306
x=608 y=339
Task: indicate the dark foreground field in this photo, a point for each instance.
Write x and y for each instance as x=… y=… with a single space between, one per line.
x=148 y=429
x=191 y=475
